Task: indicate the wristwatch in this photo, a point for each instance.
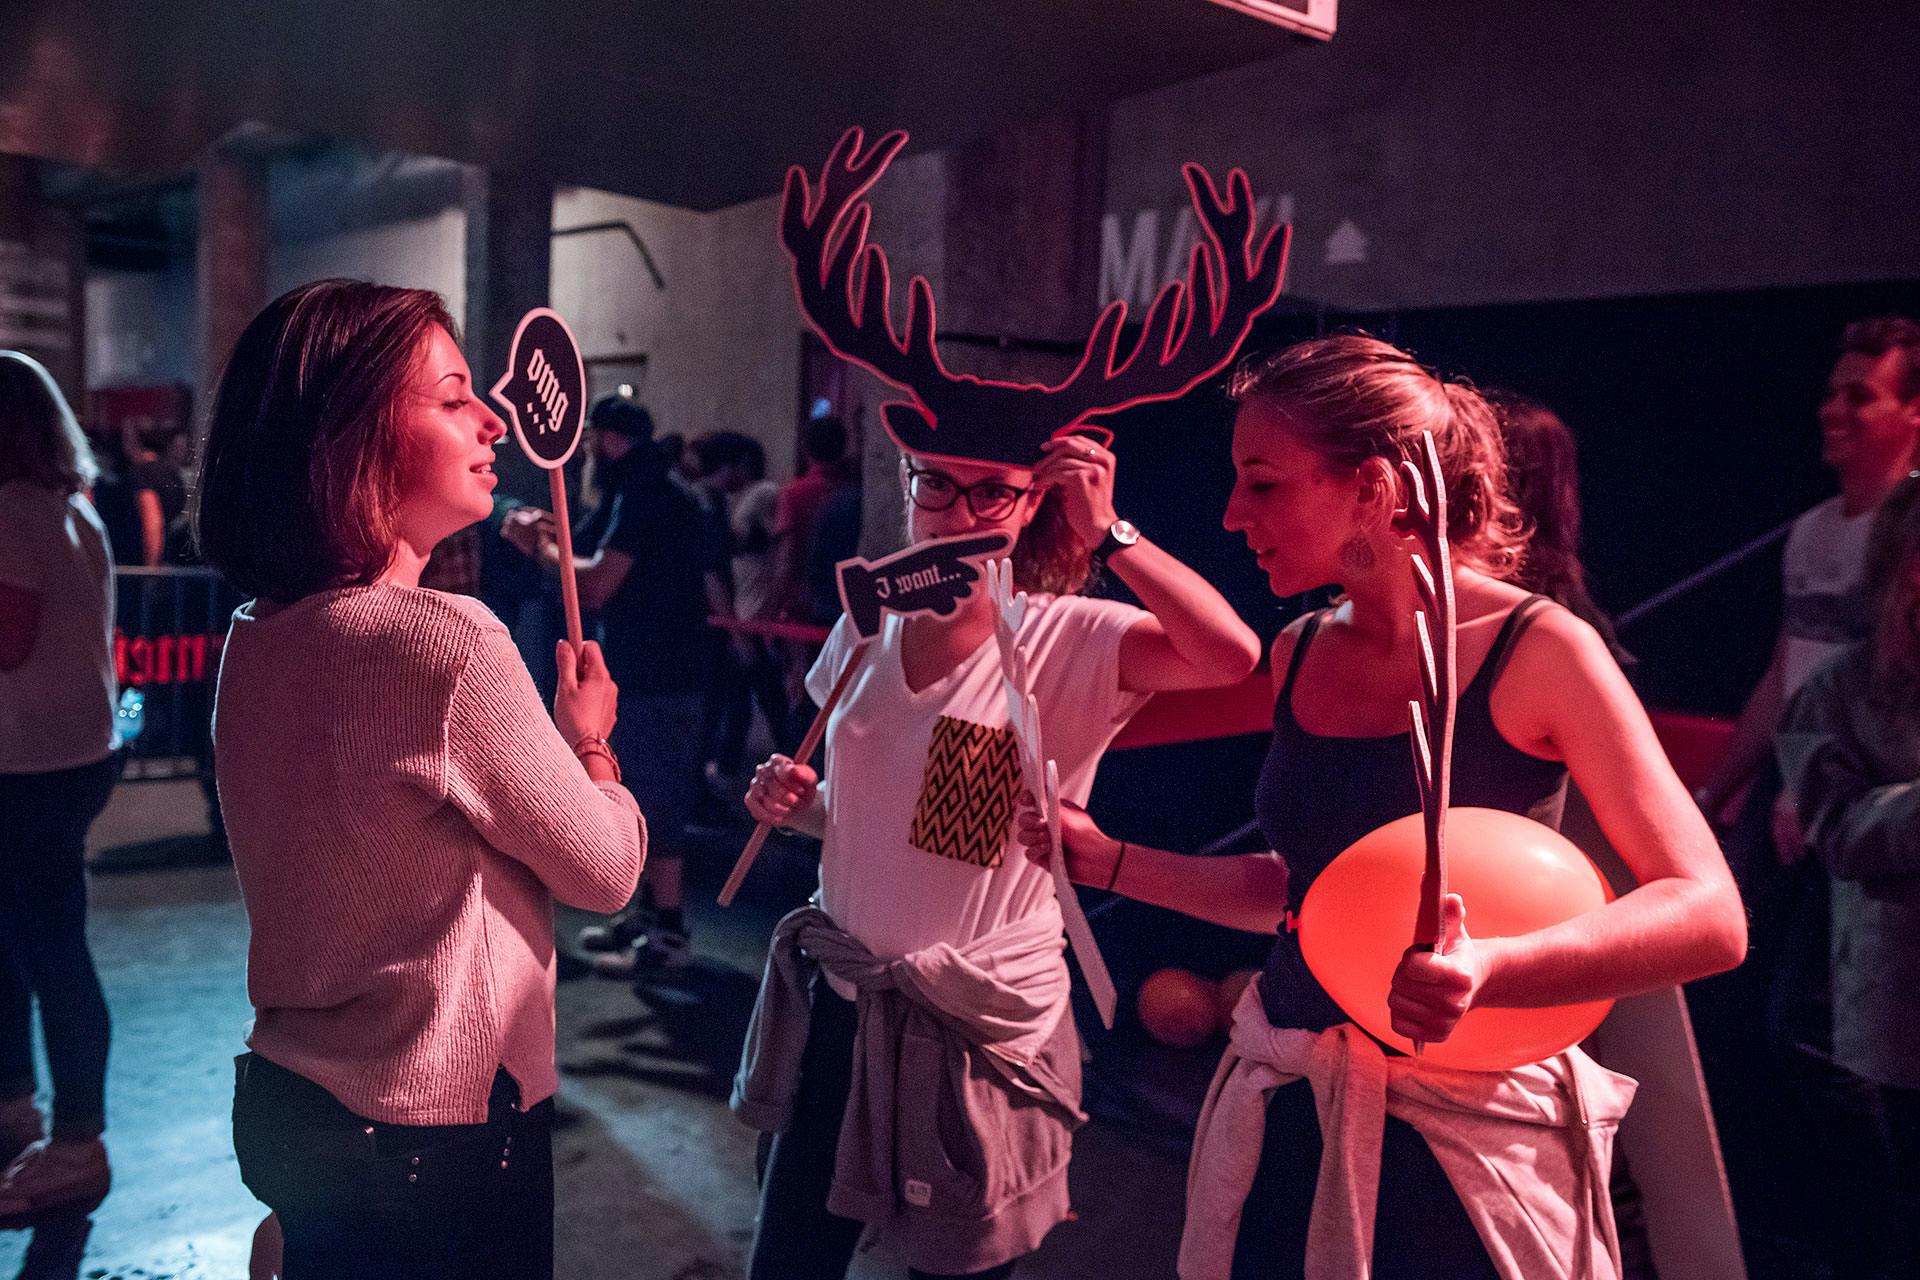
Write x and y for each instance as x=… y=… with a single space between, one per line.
x=1120 y=535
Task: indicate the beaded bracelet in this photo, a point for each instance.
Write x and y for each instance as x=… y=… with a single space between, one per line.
x=595 y=745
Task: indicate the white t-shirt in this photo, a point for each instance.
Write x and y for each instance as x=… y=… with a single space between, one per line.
x=751 y=518
x=1824 y=573
x=920 y=787
x=56 y=708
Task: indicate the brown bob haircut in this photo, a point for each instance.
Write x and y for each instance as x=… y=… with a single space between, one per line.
x=1352 y=397
x=303 y=462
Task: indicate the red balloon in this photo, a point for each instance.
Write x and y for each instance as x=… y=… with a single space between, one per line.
x=1177 y=1007
x=1515 y=876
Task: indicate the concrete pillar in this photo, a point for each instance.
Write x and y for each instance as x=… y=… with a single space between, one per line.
x=1020 y=254
x=230 y=261
x=1022 y=231
x=42 y=277
x=509 y=272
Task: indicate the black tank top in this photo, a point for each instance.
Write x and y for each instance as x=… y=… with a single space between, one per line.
x=1317 y=795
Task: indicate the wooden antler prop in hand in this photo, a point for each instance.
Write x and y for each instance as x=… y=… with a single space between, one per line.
x=1425 y=519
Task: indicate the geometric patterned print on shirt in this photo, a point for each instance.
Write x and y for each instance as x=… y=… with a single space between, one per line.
x=966 y=798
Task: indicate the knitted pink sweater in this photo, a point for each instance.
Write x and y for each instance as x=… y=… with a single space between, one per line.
x=401 y=808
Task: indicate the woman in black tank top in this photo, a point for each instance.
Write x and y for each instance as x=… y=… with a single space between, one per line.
x=1318 y=794
x=1320 y=433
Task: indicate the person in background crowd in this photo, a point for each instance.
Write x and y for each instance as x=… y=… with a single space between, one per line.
x=797 y=515
x=1869 y=422
x=937 y=1019
x=836 y=536
x=1869 y=426
x=751 y=516
x=1849 y=748
x=642 y=575
x=112 y=496
x=187 y=712
x=755 y=573
x=1543 y=472
x=158 y=480
x=402 y=811
x=683 y=464
x=455 y=565
x=733 y=466
x=57 y=772
x=1321 y=432
x=708 y=488
x=826 y=472
x=1543 y=475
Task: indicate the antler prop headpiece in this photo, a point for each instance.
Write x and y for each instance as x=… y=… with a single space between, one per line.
x=1193 y=329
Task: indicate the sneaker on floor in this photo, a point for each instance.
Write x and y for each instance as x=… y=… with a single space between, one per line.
x=52 y=1173
x=21 y=1125
x=619 y=933
x=662 y=948
x=657 y=949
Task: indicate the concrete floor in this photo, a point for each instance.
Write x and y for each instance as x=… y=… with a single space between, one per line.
x=655 y=1178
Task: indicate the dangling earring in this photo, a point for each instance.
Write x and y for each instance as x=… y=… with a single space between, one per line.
x=1356 y=554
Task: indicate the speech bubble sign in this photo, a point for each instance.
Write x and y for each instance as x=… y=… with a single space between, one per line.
x=928 y=577
x=544 y=390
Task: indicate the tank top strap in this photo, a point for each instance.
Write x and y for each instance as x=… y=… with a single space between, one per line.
x=1519 y=618
x=1285 y=698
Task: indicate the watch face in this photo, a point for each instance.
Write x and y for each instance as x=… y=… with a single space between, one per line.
x=1123 y=532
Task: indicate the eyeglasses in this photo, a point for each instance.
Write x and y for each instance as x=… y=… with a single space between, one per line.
x=937 y=491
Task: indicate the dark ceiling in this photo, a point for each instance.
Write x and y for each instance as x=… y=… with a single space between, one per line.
x=699 y=103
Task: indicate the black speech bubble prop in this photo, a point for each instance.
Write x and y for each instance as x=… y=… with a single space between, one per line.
x=544 y=390
x=928 y=577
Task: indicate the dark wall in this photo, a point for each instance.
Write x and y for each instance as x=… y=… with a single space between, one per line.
x=1511 y=150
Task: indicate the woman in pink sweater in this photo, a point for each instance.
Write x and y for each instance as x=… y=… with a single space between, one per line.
x=402 y=812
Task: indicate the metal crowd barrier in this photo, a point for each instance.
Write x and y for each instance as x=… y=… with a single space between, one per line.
x=169 y=624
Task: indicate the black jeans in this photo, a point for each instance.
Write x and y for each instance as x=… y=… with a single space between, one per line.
x=359 y=1199
x=43 y=941
x=1833 y=1121
x=1420 y=1228
x=796 y=1238
x=1902 y=1109
x=741 y=684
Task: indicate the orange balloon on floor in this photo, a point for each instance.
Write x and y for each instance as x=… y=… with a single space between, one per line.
x=1515 y=876
x=1177 y=1007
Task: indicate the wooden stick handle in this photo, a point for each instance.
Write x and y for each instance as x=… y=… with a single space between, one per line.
x=744 y=862
x=563 y=536
x=808 y=745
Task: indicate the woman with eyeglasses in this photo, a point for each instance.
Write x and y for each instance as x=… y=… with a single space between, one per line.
x=915 y=811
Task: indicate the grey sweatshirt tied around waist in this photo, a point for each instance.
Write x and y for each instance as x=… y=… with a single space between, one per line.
x=966 y=1085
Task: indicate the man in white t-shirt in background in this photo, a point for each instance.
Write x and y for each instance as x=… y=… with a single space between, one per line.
x=1869 y=426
